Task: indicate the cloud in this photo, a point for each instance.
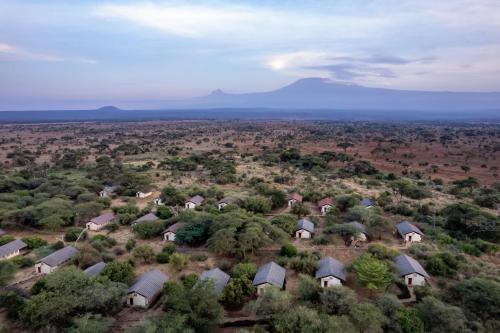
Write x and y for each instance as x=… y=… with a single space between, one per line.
x=461 y=68
x=12 y=53
x=239 y=24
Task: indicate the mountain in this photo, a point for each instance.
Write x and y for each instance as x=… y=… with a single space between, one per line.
x=109 y=108
x=320 y=93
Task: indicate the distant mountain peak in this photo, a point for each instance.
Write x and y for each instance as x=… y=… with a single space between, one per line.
x=217 y=93
x=108 y=108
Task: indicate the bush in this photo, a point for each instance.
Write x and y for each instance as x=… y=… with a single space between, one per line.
x=163 y=258
x=443 y=264
x=289 y=250
x=306 y=265
x=148 y=229
x=381 y=252
x=72 y=234
x=34 y=242
x=244 y=270
x=6 y=239
x=164 y=212
x=23 y=262
x=144 y=253
x=199 y=257
x=130 y=244
x=178 y=261
x=119 y=272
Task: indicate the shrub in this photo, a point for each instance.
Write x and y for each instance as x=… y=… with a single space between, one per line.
x=442 y=264
x=178 y=261
x=72 y=234
x=23 y=262
x=199 y=257
x=148 y=229
x=289 y=250
x=6 y=239
x=381 y=252
x=145 y=253
x=130 y=244
x=34 y=242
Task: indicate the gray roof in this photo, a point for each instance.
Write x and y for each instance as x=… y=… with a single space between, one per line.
x=407 y=265
x=11 y=247
x=328 y=266
x=2 y=232
x=270 y=273
x=103 y=219
x=174 y=227
x=219 y=277
x=406 y=227
x=146 y=218
x=149 y=284
x=306 y=225
x=197 y=199
x=60 y=256
x=109 y=189
x=358 y=226
x=366 y=202
x=95 y=270
x=226 y=200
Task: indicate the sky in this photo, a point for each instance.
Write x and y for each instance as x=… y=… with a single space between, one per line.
x=85 y=53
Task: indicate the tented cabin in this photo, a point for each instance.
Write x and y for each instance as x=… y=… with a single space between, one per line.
x=217 y=276
x=411 y=270
x=99 y=222
x=270 y=274
x=361 y=229
x=146 y=289
x=150 y=217
x=169 y=233
x=12 y=249
x=95 y=269
x=194 y=202
x=367 y=203
x=55 y=260
x=305 y=229
x=144 y=193
x=107 y=191
x=409 y=232
x=325 y=205
x=294 y=198
x=224 y=202
x=330 y=272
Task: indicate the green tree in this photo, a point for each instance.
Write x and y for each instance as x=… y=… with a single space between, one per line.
x=338 y=300
x=169 y=323
x=308 y=288
x=90 y=323
x=440 y=317
x=368 y=318
x=119 y=272
x=238 y=291
x=144 y=253
x=410 y=321
x=271 y=301
x=223 y=241
x=287 y=223
x=178 y=261
x=479 y=297
x=244 y=270
x=374 y=274
x=300 y=209
x=7 y=271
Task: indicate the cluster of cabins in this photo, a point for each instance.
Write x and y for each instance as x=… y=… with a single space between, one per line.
x=330 y=272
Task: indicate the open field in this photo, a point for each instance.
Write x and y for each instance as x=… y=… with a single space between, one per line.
x=442 y=177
